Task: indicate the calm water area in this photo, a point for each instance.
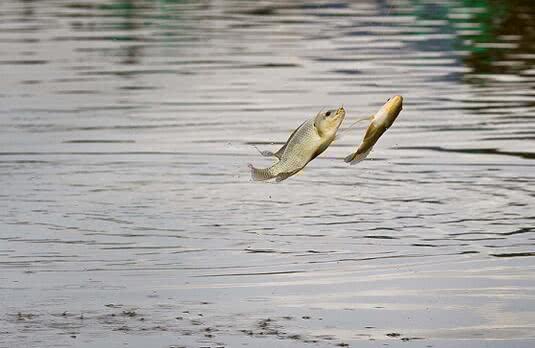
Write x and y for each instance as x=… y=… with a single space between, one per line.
x=128 y=217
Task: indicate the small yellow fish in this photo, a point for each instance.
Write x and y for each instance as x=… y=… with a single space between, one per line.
x=380 y=122
x=307 y=142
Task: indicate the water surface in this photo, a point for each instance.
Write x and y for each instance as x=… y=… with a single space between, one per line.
x=127 y=215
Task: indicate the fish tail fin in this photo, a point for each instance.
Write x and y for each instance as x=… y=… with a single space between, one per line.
x=356 y=157
x=261 y=174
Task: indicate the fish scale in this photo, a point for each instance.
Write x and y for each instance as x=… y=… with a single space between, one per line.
x=306 y=143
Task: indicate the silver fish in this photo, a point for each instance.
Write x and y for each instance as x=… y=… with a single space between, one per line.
x=380 y=122
x=307 y=142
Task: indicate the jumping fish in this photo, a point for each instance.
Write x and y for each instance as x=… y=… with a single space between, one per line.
x=307 y=142
x=380 y=122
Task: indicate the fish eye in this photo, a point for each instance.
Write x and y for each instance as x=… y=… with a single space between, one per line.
x=328 y=113
x=389 y=99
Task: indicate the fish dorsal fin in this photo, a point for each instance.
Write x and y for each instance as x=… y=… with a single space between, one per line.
x=279 y=153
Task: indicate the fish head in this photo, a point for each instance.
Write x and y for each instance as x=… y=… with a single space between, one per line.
x=389 y=111
x=328 y=122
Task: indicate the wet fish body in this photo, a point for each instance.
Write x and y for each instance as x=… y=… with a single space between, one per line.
x=306 y=143
x=380 y=122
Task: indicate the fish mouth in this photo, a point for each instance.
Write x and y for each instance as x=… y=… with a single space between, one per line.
x=340 y=113
x=394 y=104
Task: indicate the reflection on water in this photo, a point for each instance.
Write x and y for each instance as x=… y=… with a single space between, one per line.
x=125 y=202
x=497 y=36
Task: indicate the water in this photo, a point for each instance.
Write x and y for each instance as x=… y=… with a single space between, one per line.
x=126 y=208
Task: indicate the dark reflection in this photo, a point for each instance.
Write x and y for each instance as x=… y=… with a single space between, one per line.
x=525 y=155
x=509 y=24
x=28 y=9
x=498 y=35
x=514 y=254
x=132 y=14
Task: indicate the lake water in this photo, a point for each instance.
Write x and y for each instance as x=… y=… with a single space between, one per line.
x=127 y=214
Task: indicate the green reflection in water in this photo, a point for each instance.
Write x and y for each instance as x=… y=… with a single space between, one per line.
x=491 y=32
x=130 y=13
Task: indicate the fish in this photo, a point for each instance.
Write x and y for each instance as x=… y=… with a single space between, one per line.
x=306 y=142
x=380 y=122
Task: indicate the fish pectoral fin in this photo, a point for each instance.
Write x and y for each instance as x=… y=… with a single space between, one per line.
x=265 y=153
x=280 y=152
x=356 y=157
